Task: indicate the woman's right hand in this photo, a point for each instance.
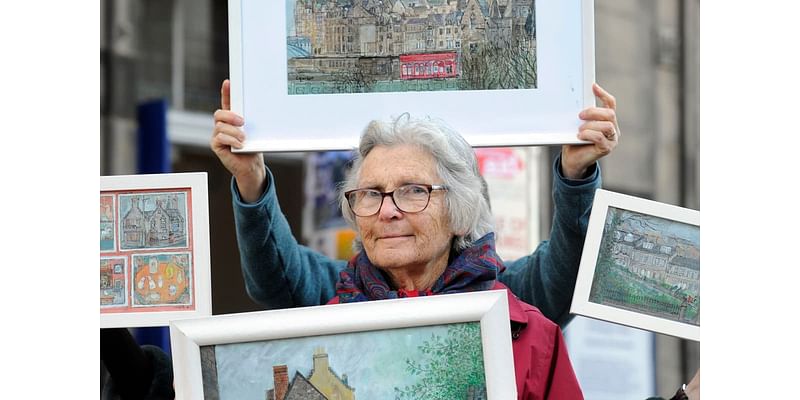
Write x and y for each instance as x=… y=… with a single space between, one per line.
x=247 y=168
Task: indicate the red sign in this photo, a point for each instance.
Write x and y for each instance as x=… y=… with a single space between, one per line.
x=498 y=162
x=428 y=65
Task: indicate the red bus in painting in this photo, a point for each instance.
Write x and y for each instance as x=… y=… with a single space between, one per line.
x=429 y=65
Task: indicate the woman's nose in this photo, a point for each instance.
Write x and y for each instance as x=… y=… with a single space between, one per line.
x=388 y=209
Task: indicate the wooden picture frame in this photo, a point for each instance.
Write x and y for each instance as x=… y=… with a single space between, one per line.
x=308 y=77
x=225 y=355
x=154 y=249
x=641 y=266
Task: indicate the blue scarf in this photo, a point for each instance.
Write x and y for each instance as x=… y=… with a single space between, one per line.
x=472 y=270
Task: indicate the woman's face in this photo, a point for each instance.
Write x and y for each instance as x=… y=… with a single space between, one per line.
x=391 y=238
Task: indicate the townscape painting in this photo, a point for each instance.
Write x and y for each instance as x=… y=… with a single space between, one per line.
x=641 y=265
x=153 y=246
x=435 y=347
x=442 y=361
x=154 y=220
x=334 y=65
x=363 y=46
x=650 y=265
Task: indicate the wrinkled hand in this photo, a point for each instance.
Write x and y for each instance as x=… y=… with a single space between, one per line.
x=247 y=168
x=601 y=129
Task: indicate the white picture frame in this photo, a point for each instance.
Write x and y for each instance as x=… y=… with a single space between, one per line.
x=640 y=266
x=277 y=121
x=489 y=309
x=155 y=261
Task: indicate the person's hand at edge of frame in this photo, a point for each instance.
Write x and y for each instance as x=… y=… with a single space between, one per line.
x=247 y=168
x=600 y=128
x=693 y=388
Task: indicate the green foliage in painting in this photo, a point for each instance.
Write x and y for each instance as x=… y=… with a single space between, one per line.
x=451 y=366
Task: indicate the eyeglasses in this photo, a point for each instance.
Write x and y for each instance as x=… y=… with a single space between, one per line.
x=407 y=198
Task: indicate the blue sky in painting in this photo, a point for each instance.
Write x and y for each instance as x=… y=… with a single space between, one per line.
x=373 y=361
x=667 y=227
x=290 y=17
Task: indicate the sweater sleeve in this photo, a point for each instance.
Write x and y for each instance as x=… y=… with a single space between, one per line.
x=546 y=278
x=278 y=271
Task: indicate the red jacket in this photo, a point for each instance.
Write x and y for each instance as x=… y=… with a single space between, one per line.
x=541 y=363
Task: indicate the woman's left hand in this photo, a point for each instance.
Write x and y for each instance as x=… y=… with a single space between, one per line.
x=601 y=129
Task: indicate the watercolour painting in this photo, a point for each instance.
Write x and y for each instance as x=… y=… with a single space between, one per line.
x=641 y=265
x=154 y=248
x=455 y=346
x=334 y=65
x=409 y=363
x=154 y=220
x=107 y=224
x=161 y=279
x=113 y=282
x=384 y=46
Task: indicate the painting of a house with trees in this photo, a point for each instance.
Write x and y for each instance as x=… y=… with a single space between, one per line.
x=429 y=362
x=649 y=265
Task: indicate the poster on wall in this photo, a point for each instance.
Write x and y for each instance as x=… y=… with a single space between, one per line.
x=611 y=361
x=512 y=176
x=154 y=250
x=334 y=65
x=640 y=265
x=324 y=228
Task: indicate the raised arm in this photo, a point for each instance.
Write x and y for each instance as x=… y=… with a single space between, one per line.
x=278 y=272
x=546 y=278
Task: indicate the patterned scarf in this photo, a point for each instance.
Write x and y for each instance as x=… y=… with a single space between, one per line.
x=472 y=270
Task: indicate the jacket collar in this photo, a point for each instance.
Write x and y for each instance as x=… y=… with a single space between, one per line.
x=515 y=311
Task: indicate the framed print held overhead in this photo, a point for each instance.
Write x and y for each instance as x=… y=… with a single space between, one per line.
x=310 y=74
x=641 y=266
x=154 y=250
x=458 y=345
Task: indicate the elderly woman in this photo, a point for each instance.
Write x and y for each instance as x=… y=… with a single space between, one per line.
x=280 y=273
x=414 y=197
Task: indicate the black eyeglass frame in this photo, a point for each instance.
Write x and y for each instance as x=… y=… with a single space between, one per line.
x=430 y=188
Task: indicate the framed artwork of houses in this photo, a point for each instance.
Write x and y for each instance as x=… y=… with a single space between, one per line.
x=154 y=249
x=310 y=74
x=641 y=266
x=455 y=345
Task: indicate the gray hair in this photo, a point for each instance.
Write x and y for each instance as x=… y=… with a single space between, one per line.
x=466 y=197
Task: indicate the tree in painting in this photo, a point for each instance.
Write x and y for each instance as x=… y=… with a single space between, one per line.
x=504 y=65
x=451 y=367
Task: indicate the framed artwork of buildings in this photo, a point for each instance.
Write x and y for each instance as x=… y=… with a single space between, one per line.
x=641 y=266
x=380 y=349
x=310 y=74
x=154 y=249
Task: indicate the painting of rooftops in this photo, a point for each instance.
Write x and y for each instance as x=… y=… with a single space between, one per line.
x=428 y=362
x=368 y=46
x=649 y=265
x=153 y=220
